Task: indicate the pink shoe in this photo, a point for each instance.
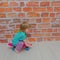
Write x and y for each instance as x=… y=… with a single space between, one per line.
x=10 y=44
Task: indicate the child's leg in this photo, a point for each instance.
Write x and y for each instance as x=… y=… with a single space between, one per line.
x=19 y=46
x=26 y=47
x=13 y=48
x=10 y=45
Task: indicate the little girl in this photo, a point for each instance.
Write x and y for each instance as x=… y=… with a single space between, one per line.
x=18 y=41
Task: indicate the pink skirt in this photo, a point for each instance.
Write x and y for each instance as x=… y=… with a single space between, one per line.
x=20 y=46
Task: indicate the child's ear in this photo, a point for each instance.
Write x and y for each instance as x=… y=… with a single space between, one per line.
x=29 y=25
x=28 y=35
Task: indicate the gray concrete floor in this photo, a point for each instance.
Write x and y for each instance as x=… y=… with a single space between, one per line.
x=39 y=51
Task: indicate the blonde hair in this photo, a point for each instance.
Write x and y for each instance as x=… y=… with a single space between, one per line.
x=24 y=26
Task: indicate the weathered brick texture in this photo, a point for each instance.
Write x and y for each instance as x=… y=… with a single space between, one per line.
x=42 y=15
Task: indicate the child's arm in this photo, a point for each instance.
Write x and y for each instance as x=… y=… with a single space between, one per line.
x=27 y=44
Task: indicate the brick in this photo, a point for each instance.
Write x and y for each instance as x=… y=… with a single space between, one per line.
x=21 y=15
x=39 y=39
x=2 y=15
x=7 y=21
x=55 y=25
x=1 y=21
x=49 y=30
x=13 y=4
x=49 y=9
x=37 y=34
x=1 y=36
x=8 y=9
x=15 y=30
x=49 y=38
x=55 y=30
x=5 y=9
x=52 y=14
x=32 y=4
x=12 y=15
x=44 y=14
x=53 y=20
x=43 y=25
x=38 y=20
x=18 y=26
x=46 y=20
x=8 y=31
x=16 y=20
x=30 y=30
x=33 y=25
x=27 y=9
x=2 y=9
x=58 y=15
x=39 y=9
x=45 y=39
x=32 y=39
x=55 y=34
x=36 y=30
x=58 y=30
x=2 y=31
x=12 y=25
x=57 y=38
x=3 y=41
x=22 y=4
x=57 y=3
x=57 y=9
x=26 y=19
x=44 y=3
x=33 y=14
x=44 y=30
x=58 y=20
x=4 y=21
x=17 y=9
x=47 y=34
x=31 y=20
x=8 y=36
x=3 y=4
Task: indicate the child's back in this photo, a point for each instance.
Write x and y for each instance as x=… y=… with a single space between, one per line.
x=20 y=36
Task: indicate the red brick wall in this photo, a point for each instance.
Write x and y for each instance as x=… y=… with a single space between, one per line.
x=44 y=18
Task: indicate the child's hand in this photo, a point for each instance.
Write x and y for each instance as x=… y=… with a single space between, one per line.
x=28 y=44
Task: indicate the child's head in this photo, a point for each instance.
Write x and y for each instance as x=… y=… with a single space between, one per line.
x=24 y=26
